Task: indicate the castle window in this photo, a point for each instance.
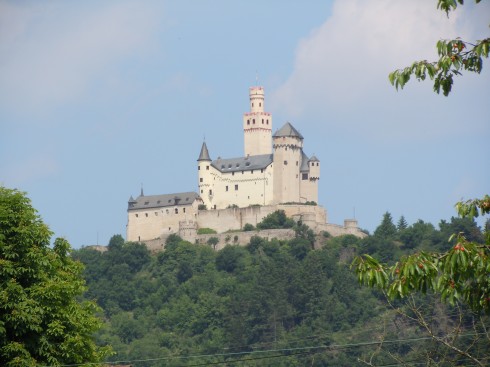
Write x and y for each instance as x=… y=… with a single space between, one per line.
x=296 y=162
x=267 y=121
x=198 y=168
x=201 y=191
x=260 y=104
x=304 y=176
x=156 y=213
x=252 y=172
x=183 y=210
x=210 y=192
x=253 y=121
x=317 y=164
x=233 y=173
x=236 y=187
x=176 y=210
x=248 y=122
x=261 y=171
x=252 y=104
x=243 y=172
x=207 y=168
x=285 y=163
x=226 y=188
x=200 y=180
x=262 y=121
x=136 y=215
x=146 y=214
x=167 y=211
x=147 y=202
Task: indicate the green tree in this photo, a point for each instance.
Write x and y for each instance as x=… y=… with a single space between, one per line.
x=386 y=229
x=402 y=224
x=41 y=322
x=455 y=55
x=275 y=220
x=458 y=275
x=213 y=242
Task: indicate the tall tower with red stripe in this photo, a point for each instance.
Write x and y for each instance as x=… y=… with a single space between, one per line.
x=257 y=125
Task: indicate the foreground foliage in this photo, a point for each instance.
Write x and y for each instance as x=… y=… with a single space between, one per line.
x=41 y=322
x=455 y=56
x=458 y=274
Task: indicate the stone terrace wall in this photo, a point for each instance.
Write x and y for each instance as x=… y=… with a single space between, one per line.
x=243 y=238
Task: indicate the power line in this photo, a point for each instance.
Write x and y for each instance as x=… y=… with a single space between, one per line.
x=305 y=350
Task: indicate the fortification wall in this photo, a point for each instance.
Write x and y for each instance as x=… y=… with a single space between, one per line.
x=223 y=220
x=229 y=222
x=243 y=238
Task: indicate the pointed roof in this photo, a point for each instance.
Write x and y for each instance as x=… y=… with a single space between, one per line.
x=304 y=162
x=287 y=130
x=314 y=159
x=204 y=155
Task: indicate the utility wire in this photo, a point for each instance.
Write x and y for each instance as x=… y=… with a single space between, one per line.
x=282 y=350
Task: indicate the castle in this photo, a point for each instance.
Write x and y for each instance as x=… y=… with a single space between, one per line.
x=274 y=173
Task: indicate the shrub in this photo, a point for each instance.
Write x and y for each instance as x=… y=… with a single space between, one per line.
x=248 y=227
x=206 y=231
x=276 y=220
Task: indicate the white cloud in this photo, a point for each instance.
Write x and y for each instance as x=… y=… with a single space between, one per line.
x=51 y=53
x=341 y=68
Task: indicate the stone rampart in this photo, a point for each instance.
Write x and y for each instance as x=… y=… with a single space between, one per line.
x=243 y=238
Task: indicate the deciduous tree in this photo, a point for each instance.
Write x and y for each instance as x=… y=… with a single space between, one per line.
x=41 y=322
x=455 y=56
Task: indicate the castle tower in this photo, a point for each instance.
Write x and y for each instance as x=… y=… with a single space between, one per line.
x=257 y=125
x=287 y=144
x=204 y=176
x=310 y=174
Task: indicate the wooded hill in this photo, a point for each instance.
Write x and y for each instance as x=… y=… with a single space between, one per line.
x=276 y=303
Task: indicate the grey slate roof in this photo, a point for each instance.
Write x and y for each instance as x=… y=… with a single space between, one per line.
x=161 y=201
x=314 y=159
x=304 y=163
x=287 y=130
x=242 y=163
x=204 y=155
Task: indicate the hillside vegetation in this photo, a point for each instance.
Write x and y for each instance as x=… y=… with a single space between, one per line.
x=275 y=303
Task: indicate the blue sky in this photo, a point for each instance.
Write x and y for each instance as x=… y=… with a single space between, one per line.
x=97 y=98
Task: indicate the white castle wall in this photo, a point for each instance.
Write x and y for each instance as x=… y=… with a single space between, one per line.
x=242 y=188
x=151 y=223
